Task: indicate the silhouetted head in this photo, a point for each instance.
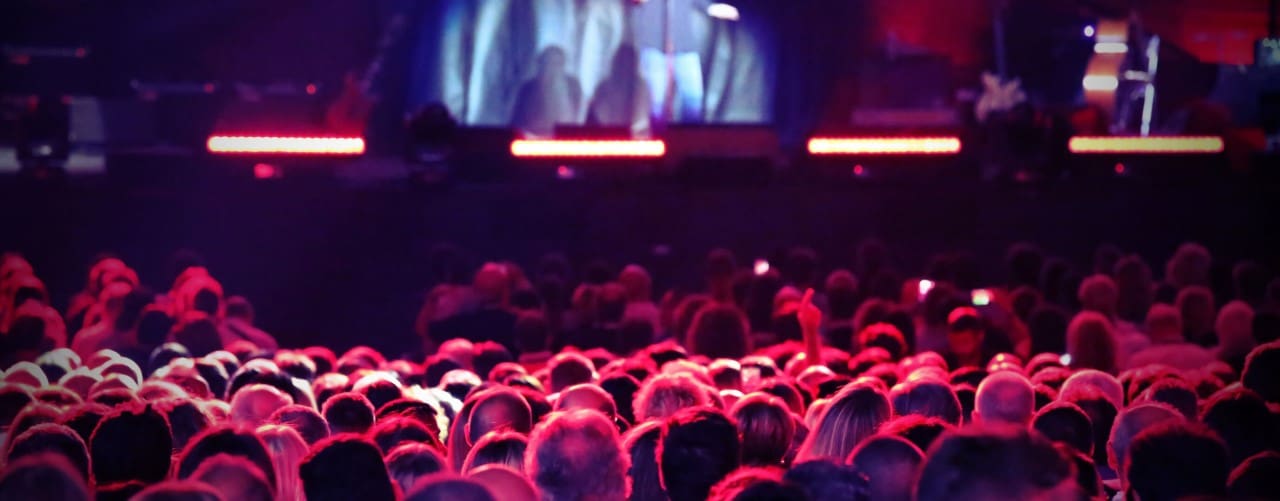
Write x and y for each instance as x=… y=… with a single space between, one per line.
x=346 y=467
x=979 y=463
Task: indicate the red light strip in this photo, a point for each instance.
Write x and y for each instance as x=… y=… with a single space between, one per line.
x=941 y=145
x=572 y=148
x=286 y=145
x=1146 y=145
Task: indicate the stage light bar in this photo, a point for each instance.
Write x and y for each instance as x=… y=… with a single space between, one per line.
x=1100 y=82
x=1146 y=145
x=1110 y=48
x=286 y=145
x=940 y=145
x=588 y=148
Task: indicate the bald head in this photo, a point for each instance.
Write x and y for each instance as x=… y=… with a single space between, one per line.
x=587 y=396
x=1129 y=423
x=1005 y=397
x=499 y=409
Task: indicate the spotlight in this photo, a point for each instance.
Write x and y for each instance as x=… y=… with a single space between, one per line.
x=1089 y=31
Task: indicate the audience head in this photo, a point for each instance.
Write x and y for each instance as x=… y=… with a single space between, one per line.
x=1067 y=423
x=995 y=462
x=348 y=412
x=767 y=428
x=926 y=397
x=131 y=443
x=239 y=442
x=1257 y=478
x=411 y=461
x=570 y=368
x=42 y=476
x=306 y=421
x=287 y=450
x=890 y=463
x=345 y=467
x=1176 y=459
x=577 y=455
x=719 y=331
x=498 y=409
x=1091 y=342
x=234 y=478
x=1005 y=397
x=1128 y=424
x=503 y=448
x=665 y=394
x=698 y=447
x=856 y=412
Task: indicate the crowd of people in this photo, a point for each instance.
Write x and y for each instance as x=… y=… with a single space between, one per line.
x=766 y=383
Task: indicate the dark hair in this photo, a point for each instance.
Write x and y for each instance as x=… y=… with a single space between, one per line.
x=488 y=355
x=623 y=388
x=1256 y=478
x=391 y=432
x=699 y=446
x=54 y=438
x=1243 y=421
x=890 y=463
x=215 y=374
x=42 y=476
x=926 y=397
x=1047 y=326
x=417 y=410
x=532 y=332
x=719 y=331
x=568 y=369
x=345 y=467
x=131 y=443
x=641 y=446
x=186 y=419
x=828 y=479
x=1262 y=371
x=13 y=399
x=919 y=430
x=767 y=429
x=306 y=421
x=1102 y=414
x=408 y=462
x=1175 y=460
x=991 y=462
x=380 y=392
x=226 y=440
x=348 y=412
x=447 y=486
x=842 y=294
x=1067 y=423
x=323 y=357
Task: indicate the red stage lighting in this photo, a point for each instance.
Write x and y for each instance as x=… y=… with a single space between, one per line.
x=938 y=145
x=1146 y=145
x=588 y=148
x=285 y=145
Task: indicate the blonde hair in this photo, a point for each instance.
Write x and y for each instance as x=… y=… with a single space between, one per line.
x=287 y=451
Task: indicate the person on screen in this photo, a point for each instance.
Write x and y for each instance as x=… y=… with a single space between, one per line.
x=622 y=99
x=551 y=97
